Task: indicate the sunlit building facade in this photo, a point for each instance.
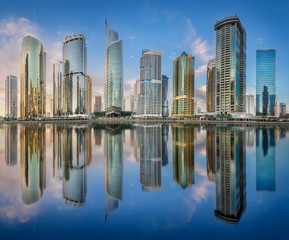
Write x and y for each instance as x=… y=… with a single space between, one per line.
x=58 y=89
x=113 y=72
x=32 y=79
x=230 y=65
x=11 y=93
x=89 y=94
x=250 y=104
x=32 y=163
x=74 y=74
x=211 y=85
x=136 y=91
x=165 y=93
x=151 y=83
x=265 y=82
x=183 y=155
x=183 y=85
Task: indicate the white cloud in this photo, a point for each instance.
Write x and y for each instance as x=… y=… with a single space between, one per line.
x=201 y=70
x=201 y=49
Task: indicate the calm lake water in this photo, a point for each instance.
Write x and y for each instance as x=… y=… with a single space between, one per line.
x=151 y=181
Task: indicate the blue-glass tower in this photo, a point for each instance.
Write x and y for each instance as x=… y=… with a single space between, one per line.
x=265 y=82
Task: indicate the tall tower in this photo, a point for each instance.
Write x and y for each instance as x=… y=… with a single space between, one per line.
x=151 y=83
x=211 y=85
x=113 y=72
x=32 y=79
x=165 y=92
x=58 y=89
x=231 y=65
x=11 y=96
x=183 y=85
x=74 y=73
x=265 y=82
x=89 y=93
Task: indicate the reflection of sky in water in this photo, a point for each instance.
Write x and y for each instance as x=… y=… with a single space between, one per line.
x=164 y=209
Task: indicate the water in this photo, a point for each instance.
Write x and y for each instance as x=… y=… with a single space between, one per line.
x=148 y=181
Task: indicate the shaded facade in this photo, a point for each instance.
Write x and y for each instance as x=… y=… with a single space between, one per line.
x=165 y=92
x=32 y=79
x=183 y=155
x=230 y=65
x=74 y=74
x=58 y=89
x=11 y=93
x=211 y=86
x=97 y=103
x=136 y=91
x=113 y=72
x=151 y=83
x=32 y=163
x=265 y=82
x=89 y=94
x=184 y=85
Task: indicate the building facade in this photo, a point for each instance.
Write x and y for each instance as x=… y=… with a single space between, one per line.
x=265 y=82
x=211 y=85
x=151 y=83
x=11 y=93
x=32 y=79
x=89 y=93
x=136 y=90
x=97 y=103
x=250 y=104
x=74 y=74
x=113 y=72
x=283 y=109
x=230 y=66
x=165 y=92
x=183 y=85
x=58 y=89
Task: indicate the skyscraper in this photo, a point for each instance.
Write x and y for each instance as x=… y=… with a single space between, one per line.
x=250 y=104
x=282 y=109
x=58 y=89
x=11 y=96
x=132 y=103
x=183 y=85
x=231 y=65
x=165 y=92
x=89 y=93
x=265 y=82
x=151 y=83
x=136 y=89
x=97 y=103
x=265 y=160
x=211 y=85
x=113 y=72
x=32 y=79
x=74 y=74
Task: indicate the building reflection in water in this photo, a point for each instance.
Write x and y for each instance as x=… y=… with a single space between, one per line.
x=183 y=155
x=150 y=151
x=97 y=136
x=211 y=154
x=113 y=168
x=74 y=165
x=250 y=136
x=32 y=162
x=231 y=174
x=57 y=133
x=165 y=134
x=265 y=159
x=88 y=146
x=11 y=145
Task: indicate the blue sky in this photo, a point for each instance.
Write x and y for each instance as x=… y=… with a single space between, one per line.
x=170 y=26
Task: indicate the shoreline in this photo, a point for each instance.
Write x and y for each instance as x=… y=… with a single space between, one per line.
x=157 y=121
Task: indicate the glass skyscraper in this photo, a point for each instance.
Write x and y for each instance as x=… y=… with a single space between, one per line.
x=231 y=65
x=58 y=89
x=11 y=96
x=183 y=85
x=151 y=83
x=265 y=82
x=89 y=94
x=165 y=92
x=74 y=73
x=211 y=85
x=32 y=79
x=113 y=72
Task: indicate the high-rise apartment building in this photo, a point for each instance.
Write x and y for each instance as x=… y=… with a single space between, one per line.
x=97 y=103
x=265 y=82
x=32 y=79
x=165 y=92
x=151 y=83
x=132 y=103
x=183 y=85
x=74 y=74
x=113 y=72
x=136 y=90
x=11 y=96
x=230 y=65
x=89 y=94
x=282 y=109
x=58 y=89
x=211 y=85
x=250 y=104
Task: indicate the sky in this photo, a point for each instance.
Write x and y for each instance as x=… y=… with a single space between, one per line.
x=170 y=26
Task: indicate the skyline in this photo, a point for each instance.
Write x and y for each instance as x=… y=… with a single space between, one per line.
x=154 y=26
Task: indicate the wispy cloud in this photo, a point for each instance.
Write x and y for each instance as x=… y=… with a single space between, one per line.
x=260 y=40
